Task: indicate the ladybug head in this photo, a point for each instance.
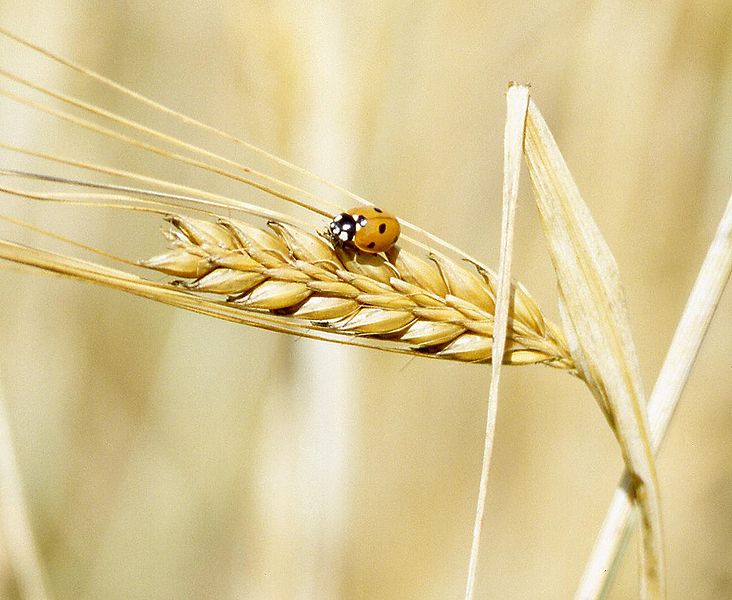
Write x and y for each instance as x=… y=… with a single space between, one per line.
x=343 y=227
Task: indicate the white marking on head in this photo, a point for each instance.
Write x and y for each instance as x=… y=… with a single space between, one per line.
x=343 y=236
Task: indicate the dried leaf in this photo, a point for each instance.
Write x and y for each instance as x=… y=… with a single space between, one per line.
x=596 y=320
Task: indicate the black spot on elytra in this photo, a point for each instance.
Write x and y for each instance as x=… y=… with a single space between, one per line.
x=371 y=245
x=382 y=228
x=378 y=210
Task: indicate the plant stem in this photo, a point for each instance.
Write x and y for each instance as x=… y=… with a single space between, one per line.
x=615 y=531
x=517 y=101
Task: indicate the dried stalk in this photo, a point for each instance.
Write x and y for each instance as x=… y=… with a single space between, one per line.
x=617 y=526
x=517 y=103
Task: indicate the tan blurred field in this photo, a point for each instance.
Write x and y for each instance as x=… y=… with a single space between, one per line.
x=169 y=455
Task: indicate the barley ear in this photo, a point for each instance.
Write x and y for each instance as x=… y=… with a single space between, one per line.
x=431 y=306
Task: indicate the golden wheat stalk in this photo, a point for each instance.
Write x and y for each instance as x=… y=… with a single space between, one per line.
x=288 y=279
x=435 y=307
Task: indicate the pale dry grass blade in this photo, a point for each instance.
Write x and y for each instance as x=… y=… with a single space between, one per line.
x=517 y=103
x=17 y=534
x=690 y=332
x=598 y=330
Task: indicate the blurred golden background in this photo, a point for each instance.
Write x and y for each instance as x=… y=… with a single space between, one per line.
x=169 y=455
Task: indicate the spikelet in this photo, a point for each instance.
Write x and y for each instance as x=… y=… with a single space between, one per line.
x=433 y=306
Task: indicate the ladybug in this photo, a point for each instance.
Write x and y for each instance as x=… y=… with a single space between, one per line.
x=368 y=228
